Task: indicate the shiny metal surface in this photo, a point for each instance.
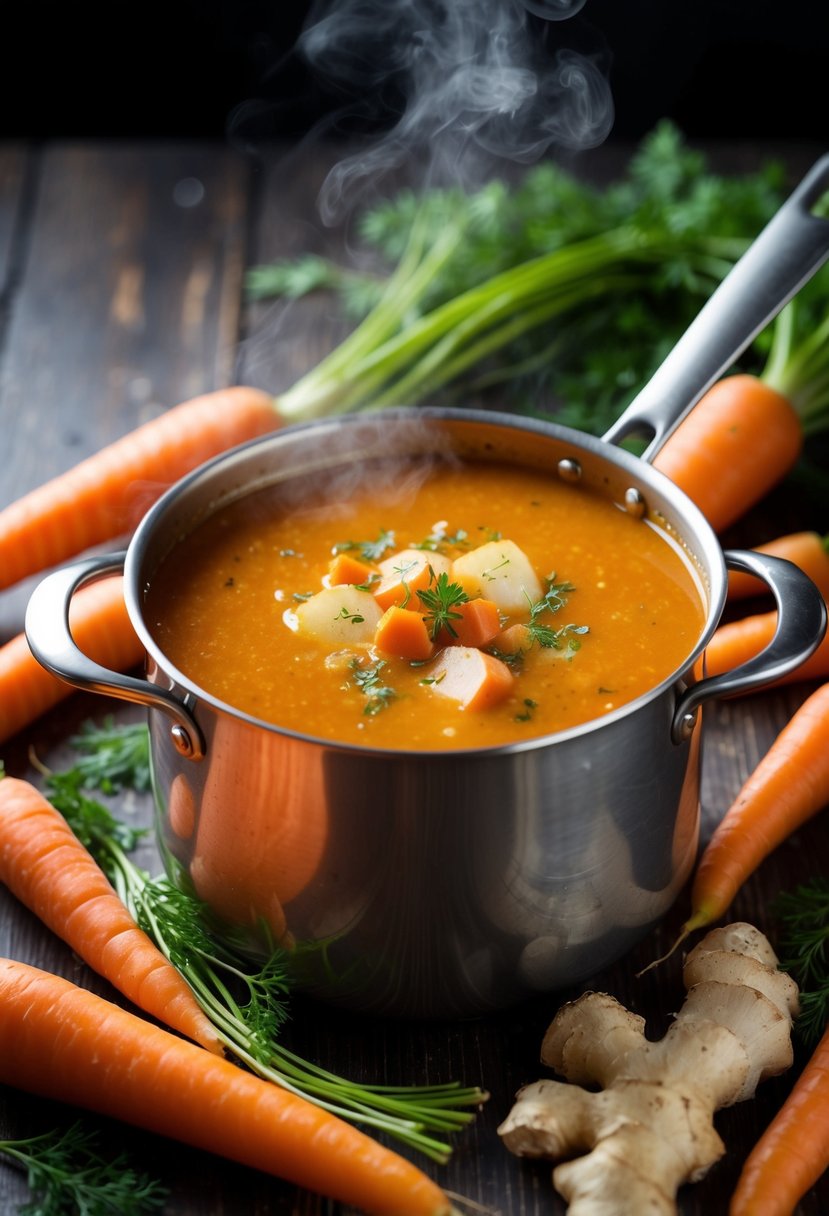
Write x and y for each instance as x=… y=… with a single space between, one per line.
x=418 y=884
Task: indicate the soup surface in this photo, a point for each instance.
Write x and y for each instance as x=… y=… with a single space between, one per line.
x=448 y=607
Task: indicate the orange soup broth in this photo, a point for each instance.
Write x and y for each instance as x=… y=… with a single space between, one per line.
x=218 y=607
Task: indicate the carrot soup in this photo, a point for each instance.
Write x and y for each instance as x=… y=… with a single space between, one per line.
x=450 y=607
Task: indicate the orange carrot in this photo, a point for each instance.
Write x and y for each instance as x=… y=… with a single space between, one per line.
x=738 y=442
x=787 y=788
x=793 y=1151
x=738 y=641
x=104 y=496
x=403 y=633
x=405 y=573
x=474 y=679
x=347 y=569
x=47 y=868
x=808 y=550
x=101 y=627
x=63 y=1043
x=477 y=623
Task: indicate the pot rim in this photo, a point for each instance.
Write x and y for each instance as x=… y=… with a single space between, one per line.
x=706 y=558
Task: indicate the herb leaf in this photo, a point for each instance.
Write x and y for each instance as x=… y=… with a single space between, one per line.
x=367 y=678
x=369 y=550
x=66 y=1173
x=246 y=1000
x=440 y=602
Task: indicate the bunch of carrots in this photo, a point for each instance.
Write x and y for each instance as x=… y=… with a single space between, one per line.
x=741 y=440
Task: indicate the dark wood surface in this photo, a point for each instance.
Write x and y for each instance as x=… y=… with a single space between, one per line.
x=121 y=294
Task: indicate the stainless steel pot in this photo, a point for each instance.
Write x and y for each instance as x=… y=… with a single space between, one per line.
x=446 y=884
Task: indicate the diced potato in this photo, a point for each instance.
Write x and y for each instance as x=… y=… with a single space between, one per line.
x=405 y=573
x=469 y=676
x=339 y=615
x=499 y=571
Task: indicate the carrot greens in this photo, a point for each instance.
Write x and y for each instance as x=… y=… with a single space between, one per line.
x=804 y=951
x=550 y=288
x=246 y=1002
x=67 y=1173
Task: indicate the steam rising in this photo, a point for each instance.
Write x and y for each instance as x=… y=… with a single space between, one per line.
x=471 y=79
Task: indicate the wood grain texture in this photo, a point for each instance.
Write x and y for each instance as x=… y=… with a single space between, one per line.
x=129 y=301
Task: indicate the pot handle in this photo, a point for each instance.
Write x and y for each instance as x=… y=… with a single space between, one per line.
x=789 y=250
x=801 y=624
x=51 y=642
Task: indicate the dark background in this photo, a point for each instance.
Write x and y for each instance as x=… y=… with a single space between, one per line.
x=718 y=68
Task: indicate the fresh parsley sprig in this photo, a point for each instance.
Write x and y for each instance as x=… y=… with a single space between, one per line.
x=441 y=601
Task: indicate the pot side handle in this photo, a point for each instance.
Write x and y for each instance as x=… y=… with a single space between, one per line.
x=801 y=625
x=51 y=642
x=789 y=250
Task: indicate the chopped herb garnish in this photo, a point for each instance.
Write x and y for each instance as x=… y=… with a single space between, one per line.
x=367 y=679
x=302 y=595
x=345 y=615
x=440 y=602
x=438 y=540
x=527 y=713
x=489 y=573
x=552 y=600
x=369 y=550
x=403 y=570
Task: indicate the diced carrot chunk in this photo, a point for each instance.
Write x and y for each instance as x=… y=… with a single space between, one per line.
x=347 y=569
x=405 y=573
x=512 y=640
x=478 y=622
x=403 y=633
x=474 y=679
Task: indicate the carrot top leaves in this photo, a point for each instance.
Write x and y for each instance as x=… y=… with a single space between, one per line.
x=245 y=1001
x=804 y=951
x=66 y=1173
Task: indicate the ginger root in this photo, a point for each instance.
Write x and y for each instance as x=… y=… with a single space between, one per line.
x=650 y=1128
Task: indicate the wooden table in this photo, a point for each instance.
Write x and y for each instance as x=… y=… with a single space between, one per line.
x=120 y=294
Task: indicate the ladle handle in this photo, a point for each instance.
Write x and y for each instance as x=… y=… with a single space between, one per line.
x=789 y=250
x=51 y=642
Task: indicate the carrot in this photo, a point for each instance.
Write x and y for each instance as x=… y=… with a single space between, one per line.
x=101 y=627
x=787 y=788
x=403 y=633
x=476 y=623
x=808 y=550
x=405 y=573
x=738 y=442
x=347 y=569
x=66 y=1044
x=105 y=495
x=793 y=1151
x=738 y=641
x=47 y=868
x=475 y=679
